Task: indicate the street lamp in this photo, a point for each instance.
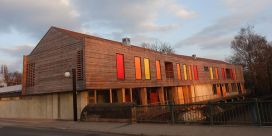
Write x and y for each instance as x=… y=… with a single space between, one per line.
x=68 y=75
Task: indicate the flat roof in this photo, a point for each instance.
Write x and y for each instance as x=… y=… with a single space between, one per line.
x=11 y=89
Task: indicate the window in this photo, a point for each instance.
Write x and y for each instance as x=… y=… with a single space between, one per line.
x=227 y=87
x=185 y=72
x=169 y=70
x=30 y=80
x=195 y=72
x=228 y=73
x=178 y=72
x=211 y=73
x=147 y=68
x=206 y=69
x=231 y=74
x=138 y=69
x=216 y=73
x=120 y=66
x=234 y=74
x=214 y=89
x=234 y=87
x=223 y=73
x=158 y=69
x=190 y=72
x=79 y=65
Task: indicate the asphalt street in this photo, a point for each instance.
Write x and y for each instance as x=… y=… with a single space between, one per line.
x=25 y=131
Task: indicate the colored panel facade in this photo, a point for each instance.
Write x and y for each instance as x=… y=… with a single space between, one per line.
x=178 y=72
x=234 y=74
x=195 y=72
x=120 y=66
x=231 y=74
x=185 y=72
x=138 y=69
x=147 y=68
x=211 y=73
x=223 y=73
x=158 y=69
x=216 y=73
x=190 y=72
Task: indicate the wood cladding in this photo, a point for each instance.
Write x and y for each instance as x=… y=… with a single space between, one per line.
x=54 y=55
x=101 y=63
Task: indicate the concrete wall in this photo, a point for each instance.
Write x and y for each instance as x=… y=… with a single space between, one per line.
x=50 y=106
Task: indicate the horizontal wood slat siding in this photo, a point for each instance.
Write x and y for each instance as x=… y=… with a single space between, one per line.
x=100 y=66
x=55 y=54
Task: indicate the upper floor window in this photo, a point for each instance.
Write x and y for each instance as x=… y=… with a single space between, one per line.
x=147 y=68
x=158 y=69
x=138 y=69
x=190 y=73
x=223 y=73
x=178 y=72
x=206 y=69
x=185 y=72
x=211 y=73
x=120 y=66
x=169 y=70
x=195 y=72
x=216 y=73
x=228 y=73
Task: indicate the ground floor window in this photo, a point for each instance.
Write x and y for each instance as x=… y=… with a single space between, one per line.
x=103 y=96
x=214 y=89
x=227 y=87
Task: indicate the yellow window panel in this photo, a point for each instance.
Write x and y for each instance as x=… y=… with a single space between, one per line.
x=147 y=68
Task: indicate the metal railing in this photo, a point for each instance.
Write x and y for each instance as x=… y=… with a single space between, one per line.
x=231 y=113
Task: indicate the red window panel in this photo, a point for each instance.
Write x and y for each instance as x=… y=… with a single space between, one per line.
x=223 y=73
x=120 y=66
x=231 y=74
x=195 y=73
x=234 y=74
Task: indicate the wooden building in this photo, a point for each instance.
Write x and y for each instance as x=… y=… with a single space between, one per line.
x=114 y=72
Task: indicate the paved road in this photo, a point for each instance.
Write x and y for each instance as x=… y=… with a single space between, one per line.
x=24 y=131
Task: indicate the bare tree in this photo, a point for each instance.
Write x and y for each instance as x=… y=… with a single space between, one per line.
x=159 y=46
x=11 y=78
x=253 y=52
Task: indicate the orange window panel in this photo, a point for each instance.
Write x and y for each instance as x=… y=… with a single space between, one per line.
x=190 y=72
x=138 y=70
x=216 y=73
x=178 y=72
x=158 y=69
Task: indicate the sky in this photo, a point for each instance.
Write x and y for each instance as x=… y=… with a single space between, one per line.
x=201 y=27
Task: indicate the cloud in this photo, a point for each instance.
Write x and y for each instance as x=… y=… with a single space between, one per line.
x=131 y=17
x=15 y=56
x=220 y=34
x=35 y=17
x=137 y=19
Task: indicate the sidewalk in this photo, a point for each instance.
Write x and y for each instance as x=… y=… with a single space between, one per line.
x=143 y=129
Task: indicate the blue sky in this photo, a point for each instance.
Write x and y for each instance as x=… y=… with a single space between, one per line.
x=200 y=27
